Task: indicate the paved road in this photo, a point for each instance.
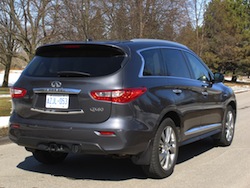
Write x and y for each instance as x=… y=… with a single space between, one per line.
x=199 y=165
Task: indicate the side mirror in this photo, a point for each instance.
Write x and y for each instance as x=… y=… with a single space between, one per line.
x=218 y=77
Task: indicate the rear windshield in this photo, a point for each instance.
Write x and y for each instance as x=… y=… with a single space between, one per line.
x=75 y=61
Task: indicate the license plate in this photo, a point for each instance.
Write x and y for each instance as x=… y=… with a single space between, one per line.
x=57 y=101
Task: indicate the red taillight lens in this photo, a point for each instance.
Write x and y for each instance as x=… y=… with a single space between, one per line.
x=17 y=92
x=118 y=96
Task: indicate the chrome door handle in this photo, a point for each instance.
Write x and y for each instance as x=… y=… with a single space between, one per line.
x=177 y=91
x=225 y=95
x=204 y=93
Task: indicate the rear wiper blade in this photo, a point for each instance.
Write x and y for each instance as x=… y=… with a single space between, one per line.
x=73 y=74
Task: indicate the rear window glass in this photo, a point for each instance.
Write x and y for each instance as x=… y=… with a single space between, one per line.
x=75 y=61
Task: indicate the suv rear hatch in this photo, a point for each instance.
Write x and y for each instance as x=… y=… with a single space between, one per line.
x=58 y=82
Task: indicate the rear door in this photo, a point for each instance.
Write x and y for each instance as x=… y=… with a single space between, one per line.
x=187 y=92
x=60 y=78
x=212 y=96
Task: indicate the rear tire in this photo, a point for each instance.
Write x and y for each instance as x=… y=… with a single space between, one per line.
x=47 y=157
x=164 y=152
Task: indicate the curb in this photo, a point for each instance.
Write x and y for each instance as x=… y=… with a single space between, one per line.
x=5 y=96
x=237 y=91
x=243 y=91
x=5 y=140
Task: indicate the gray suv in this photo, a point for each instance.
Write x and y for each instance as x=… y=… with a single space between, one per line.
x=141 y=99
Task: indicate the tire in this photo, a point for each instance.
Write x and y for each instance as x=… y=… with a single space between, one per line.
x=47 y=157
x=164 y=151
x=228 y=128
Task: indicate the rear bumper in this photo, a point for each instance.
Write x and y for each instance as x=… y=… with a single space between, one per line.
x=130 y=136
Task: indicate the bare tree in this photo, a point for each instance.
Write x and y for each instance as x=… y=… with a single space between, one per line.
x=81 y=20
x=196 y=10
x=144 y=18
x=31 y=23
x=8 y=43
x=30 y=18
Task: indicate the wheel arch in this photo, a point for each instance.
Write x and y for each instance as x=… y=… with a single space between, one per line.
x=175 y=116
x=144 y=158
x=233 y=105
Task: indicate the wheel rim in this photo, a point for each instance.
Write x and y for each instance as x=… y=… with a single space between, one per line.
x=229 y=128
x=167 y=148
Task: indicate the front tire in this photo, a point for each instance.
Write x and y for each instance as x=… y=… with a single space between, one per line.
x=47 y=157
x=227 y=133
x=164 y=152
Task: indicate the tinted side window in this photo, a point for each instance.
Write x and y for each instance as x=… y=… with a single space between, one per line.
x=199 y=70
x=152 y=63
x=175 y=63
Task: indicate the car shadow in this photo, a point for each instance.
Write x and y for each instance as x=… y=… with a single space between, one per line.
x=192 y=150
x=93 y=167
x=87 y=167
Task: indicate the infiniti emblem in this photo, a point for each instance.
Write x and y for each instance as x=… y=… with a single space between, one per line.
x=56 y=84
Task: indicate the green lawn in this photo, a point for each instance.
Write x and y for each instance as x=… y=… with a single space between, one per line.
x=5 y=106
x=4 y=90
x=5 y=102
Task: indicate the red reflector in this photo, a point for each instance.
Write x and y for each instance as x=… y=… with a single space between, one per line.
x=72 y=46
x=105 y=133
x=15 y=126
x=17 y=92
x=118 y=96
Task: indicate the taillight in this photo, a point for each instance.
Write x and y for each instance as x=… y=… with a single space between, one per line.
x=118 y=96
x=17 y=92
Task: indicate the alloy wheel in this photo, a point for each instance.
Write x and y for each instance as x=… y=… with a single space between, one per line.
x=167 y=148
x=229 y=127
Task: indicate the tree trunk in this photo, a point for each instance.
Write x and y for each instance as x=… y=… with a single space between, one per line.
x=7 y=72
x=234 y=79
x=6 y=77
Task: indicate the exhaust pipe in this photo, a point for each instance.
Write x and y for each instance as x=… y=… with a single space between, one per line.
x=54 y=147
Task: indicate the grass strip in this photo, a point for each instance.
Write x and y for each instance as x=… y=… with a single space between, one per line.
x=4 y=91
x=5 y=106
